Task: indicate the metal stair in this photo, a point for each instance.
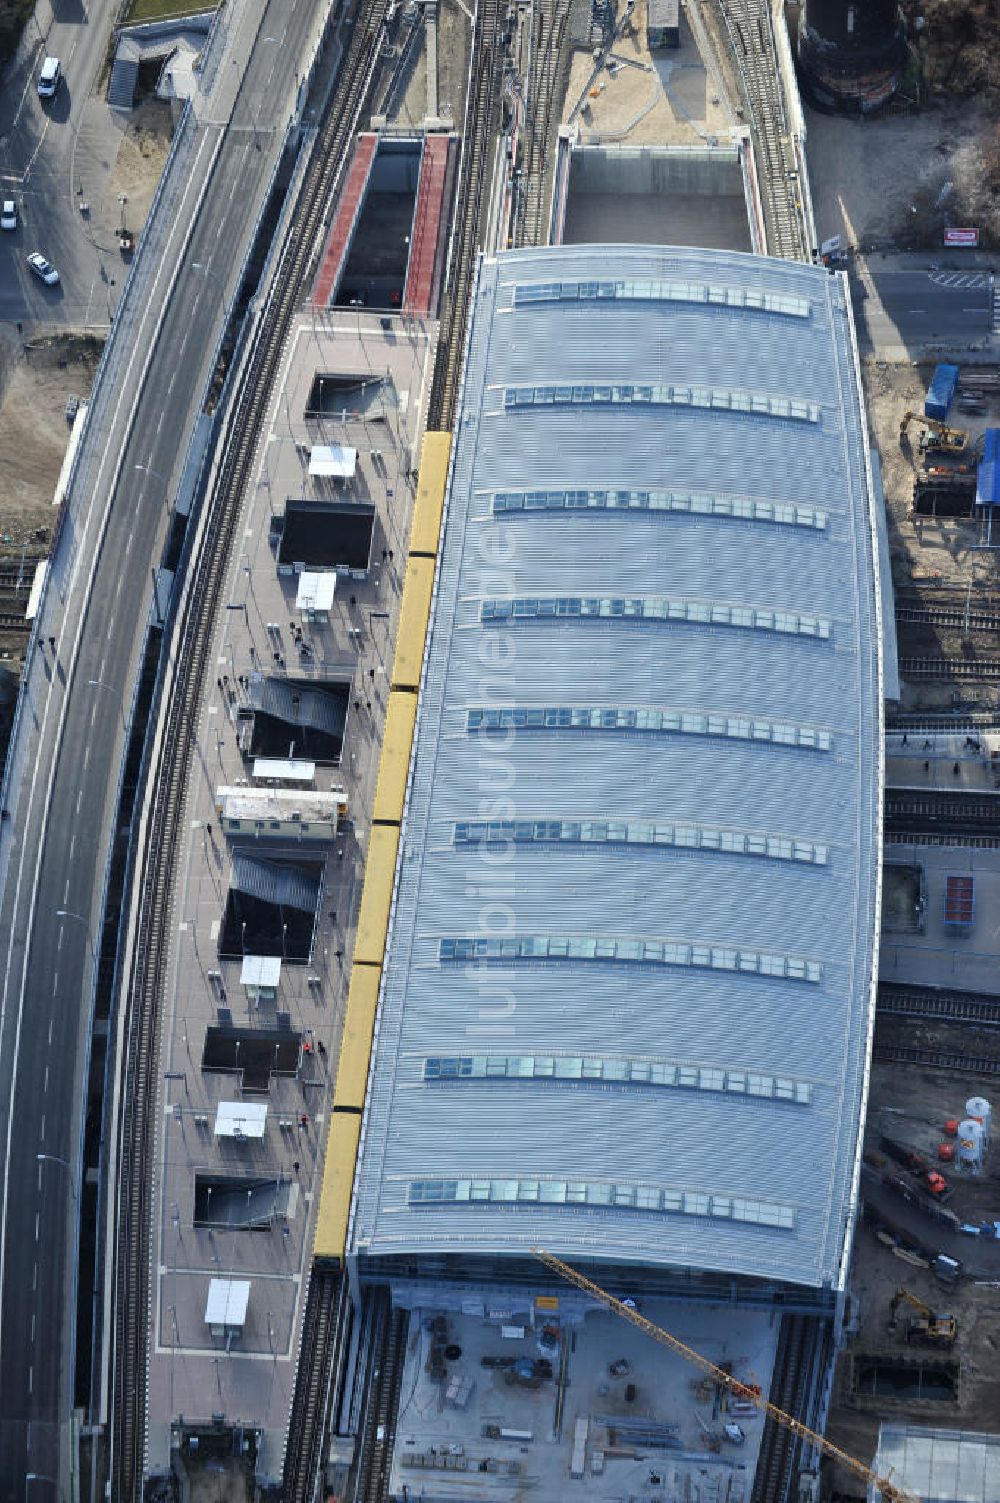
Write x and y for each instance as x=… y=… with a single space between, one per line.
x=121 y=87
x=297 y=704
x=282 y=886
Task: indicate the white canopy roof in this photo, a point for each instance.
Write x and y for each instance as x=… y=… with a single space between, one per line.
x=260 y=970
x=334 y=460
x=240 y=1119
x=227 y=1302
x=284 y=769
x=316 y=592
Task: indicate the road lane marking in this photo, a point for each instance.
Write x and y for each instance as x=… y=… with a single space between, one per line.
x=95 y=509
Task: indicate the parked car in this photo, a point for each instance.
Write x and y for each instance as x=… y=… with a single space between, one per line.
x=48 y=77
x=43 y=269
x=8 y=215
x=72 y=408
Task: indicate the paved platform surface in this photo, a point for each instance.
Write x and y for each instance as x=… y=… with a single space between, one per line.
x=953 y=762
x=251 y=1377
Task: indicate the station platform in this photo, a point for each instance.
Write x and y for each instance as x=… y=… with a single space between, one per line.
x=345 y=218
x=947 y=762
x=423 y=271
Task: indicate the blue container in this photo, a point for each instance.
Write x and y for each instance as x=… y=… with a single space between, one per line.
x=941 y=392
x=988 y=473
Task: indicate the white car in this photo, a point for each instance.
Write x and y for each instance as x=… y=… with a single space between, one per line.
x=48 y=77
x=8 y=215
x=43 y=269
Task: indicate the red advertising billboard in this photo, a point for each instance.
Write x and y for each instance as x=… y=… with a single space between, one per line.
x=961 y=237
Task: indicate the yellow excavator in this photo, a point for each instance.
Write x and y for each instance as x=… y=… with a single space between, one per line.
x=887 y=1490
x=929 y=1326
x=936 y=437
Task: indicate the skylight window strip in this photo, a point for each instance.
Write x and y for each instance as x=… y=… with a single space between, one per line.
x=636 y=832
x=694 y=503
x=653 y=608
x=673 y=291
x=615 y=1070
x=625 y=394
x=600 y=1195
x=617 y=950
x=643 y=718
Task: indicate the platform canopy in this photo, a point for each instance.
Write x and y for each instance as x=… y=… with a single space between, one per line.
x=240 y=1119
x=260 y=970
x=227 y=1302
x=284 y=769
x=316 y=592
x=333 y=461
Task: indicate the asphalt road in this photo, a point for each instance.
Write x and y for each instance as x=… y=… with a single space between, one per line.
x=915 y=307
x=38 y=143
x=61 y=826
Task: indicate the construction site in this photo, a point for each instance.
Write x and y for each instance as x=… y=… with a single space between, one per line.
x=570 y=1060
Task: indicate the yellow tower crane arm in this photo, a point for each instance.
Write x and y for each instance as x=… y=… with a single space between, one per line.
x=888 y=1490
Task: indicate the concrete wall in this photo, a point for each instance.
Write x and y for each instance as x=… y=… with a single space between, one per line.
x=663 y=170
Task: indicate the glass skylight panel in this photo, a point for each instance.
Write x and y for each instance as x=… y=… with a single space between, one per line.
x=634 y=291
x=664 y=722
x=653 y=608
x=607 y=1195
x=615 y=1070
x=615 y=949
x=767 y=404
x=641 y=833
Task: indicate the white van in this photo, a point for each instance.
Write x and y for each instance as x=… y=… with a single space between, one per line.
x=48 y=78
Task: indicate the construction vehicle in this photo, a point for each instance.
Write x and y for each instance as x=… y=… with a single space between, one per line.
x=929 y=1326
x=931 y=1179
x=888 y=1490
x=936 y=436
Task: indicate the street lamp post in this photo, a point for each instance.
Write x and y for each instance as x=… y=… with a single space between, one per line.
x=69 y=913
x=37 y=1477
x=148 y=470
x=98 y=683
x=54 y=1158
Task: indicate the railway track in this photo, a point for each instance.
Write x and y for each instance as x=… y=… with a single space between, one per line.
x=968 y=670
x=482 y=111
x=549 y=60
x=971 y=814
x=933 y=1005
x=929 y=838
x=15 y=623
x=169 y=778
x=325 y=1318
x=955 y=617
x=378 y=1426
x=749 y=28
x=790 y=1386
x=937 y=1059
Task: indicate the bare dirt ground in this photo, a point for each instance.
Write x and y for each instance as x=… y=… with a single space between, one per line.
x=140 y=160
x=35 y=380
x=670 y=98
x=867 y=176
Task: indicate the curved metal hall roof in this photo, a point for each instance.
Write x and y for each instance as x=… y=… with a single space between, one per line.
x=628 y=991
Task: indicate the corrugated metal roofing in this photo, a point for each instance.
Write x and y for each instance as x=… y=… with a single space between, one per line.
x=562 y=963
